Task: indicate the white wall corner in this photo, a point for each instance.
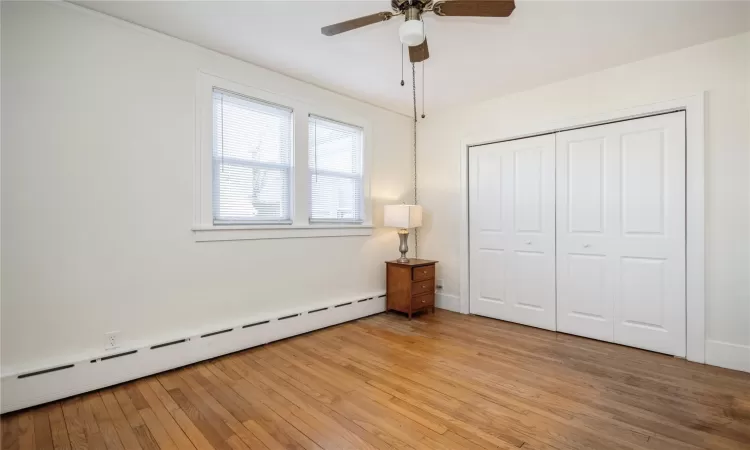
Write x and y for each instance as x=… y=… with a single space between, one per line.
x=448 y=301
x=728 y=355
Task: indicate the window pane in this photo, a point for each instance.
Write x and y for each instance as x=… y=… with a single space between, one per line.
x=335 y=198
x=252 y=144
x=335 y=162
x=334 y=146
x=247 y=193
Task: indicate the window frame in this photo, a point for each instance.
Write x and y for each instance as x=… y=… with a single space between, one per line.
x=329 y=173
x=288 y=168
x=204 y=228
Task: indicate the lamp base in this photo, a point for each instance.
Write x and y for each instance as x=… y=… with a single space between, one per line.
x=403 y=236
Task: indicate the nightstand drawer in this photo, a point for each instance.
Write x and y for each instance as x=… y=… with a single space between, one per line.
x=422 y=287
x=423 y=273
x=423 y=301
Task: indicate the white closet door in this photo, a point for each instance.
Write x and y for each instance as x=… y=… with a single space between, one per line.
x=621 y=232
x=512 y=231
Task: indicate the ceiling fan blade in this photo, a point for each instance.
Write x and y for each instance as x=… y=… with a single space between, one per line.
x=359 y=22
x=474 y=8
x=419 y=53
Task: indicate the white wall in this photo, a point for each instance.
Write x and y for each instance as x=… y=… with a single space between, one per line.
x=719 y=67
x=98 y=134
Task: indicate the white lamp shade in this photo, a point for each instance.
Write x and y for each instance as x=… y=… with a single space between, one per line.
x=403 y=216
x=411 y=32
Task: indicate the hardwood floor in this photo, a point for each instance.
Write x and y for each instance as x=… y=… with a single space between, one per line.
x=443 y=381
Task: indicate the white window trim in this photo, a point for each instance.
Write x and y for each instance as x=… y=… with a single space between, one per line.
x=204 y=228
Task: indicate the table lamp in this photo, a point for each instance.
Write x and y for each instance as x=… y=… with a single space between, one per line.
x=403 y=217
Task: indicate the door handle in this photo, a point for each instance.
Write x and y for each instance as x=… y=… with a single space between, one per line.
x=586 y=245
x=528 y=242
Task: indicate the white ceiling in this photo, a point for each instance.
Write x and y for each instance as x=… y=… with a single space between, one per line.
x=471 y=58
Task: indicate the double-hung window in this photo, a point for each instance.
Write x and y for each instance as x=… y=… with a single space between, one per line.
x=252 y=160
x=267 y=167
x=335 y=163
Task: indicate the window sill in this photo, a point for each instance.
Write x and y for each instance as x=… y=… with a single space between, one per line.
x=208 y=233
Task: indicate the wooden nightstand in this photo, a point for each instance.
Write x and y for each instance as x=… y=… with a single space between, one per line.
x=410 y=286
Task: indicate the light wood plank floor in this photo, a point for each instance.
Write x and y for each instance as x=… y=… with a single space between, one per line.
x=443 y=381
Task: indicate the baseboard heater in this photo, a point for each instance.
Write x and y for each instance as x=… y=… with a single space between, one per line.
x=46 y=384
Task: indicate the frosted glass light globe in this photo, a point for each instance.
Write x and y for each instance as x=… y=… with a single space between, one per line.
x=411 y=32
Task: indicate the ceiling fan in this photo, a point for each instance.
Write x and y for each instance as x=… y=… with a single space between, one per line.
x=411 y=31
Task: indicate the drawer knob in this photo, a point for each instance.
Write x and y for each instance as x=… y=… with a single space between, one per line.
x=424 y=286
x=422 y=301
x=424 y=272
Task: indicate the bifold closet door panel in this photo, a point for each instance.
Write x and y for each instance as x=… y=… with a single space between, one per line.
x=585 y=296
x=512 y=231
x=621 y=232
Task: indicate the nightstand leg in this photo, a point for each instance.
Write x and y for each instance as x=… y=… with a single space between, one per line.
x=409 y=314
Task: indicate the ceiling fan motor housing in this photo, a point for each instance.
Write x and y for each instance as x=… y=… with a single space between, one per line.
x=412 y=13
x=401 y=5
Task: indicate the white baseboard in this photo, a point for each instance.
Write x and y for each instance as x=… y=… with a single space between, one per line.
x=447 y=301
x=730 y=356
x=45 y=384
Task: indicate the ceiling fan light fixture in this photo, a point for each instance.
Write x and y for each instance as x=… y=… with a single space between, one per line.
x=411 y=32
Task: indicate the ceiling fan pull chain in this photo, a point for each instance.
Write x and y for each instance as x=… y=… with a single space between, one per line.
x=423 y=116
x=414 y=93
x=402 y=65
x=424 y=31
x=414 y=98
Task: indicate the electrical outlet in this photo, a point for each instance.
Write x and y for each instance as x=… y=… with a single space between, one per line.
x=439 y=284
x=112 y=340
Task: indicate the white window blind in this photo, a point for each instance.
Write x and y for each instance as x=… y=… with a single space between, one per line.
x=252 y=160
x=335 y=161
